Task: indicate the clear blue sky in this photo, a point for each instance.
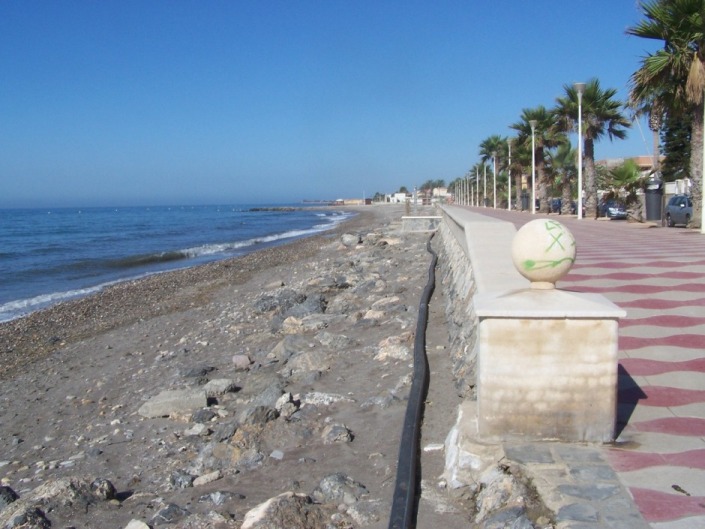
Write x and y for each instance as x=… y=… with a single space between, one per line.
x=194 y=102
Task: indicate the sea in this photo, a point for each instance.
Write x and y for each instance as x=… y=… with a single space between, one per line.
x=53 y=255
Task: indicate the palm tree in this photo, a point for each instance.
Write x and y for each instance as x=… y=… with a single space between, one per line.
x=677 y=70
x=477 y=173
x=546 y=136
x=521 y=159
x=494 y=146
x=653 y=107
x=564 y=165
x=602 y=115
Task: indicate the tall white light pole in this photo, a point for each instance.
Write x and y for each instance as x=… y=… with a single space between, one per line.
x=494 y=178
x=532 y=122
x=484 y=185
x=477 y=186
x=467 y=188
x=509 y=177
x=579 y=89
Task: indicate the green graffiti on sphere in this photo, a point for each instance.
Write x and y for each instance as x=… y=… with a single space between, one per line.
x=560 y=240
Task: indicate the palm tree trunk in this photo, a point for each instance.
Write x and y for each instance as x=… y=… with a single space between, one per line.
x=655 y=127
x=590 y=180
x=696 y=162
x=517 y=190
x=542 y=184
x=566 y=195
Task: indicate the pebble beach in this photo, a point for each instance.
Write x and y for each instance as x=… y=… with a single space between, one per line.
x=280 y=374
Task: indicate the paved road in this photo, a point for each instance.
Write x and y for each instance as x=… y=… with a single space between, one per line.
x=658 y=276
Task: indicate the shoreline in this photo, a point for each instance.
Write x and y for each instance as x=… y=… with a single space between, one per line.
x=294 y=363
x=40 y=333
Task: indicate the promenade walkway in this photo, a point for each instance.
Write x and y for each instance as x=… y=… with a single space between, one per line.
x=658 y=276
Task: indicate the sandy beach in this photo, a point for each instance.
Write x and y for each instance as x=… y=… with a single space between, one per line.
x=292 y=364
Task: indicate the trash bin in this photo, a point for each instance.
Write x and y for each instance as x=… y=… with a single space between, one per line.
x=524 y=201
x=653 y=198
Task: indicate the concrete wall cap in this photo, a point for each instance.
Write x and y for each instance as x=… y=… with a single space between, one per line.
x=533 y=304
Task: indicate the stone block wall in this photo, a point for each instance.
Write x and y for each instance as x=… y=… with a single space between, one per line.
x=456 y=278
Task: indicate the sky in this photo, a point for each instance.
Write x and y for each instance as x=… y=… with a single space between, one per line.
x=136 y=102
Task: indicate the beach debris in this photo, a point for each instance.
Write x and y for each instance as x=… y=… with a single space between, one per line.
x=286 y=405
x=219 y=386
x=197 y=371
x=180 y=479
x=173 y=401
x=241 y=362
x=395 y=347
x=316 y=398
x=257 y=415
x=339 y=488
x=282 y=300
x=103 y=489
x=136 y=524
x=207 y=478
x=169 y=513
x=349 y=240
x=203 y=415
x=290 y=510
x=336 y=433
x=63 y=495
x=7 y=496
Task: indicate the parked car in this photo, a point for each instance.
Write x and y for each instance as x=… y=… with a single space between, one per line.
x=612 y=209
x=679 y=210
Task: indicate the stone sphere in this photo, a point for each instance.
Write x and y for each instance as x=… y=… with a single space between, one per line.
x=543 y=251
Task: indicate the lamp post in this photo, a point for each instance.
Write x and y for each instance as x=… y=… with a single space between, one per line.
x=477 y=186
x=509 y=177
x=532 y=122
x=579 y=89
x=484 y=185
x=494 y=178
x=467 y=189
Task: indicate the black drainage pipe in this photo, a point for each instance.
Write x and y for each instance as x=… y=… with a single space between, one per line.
x=406 y=489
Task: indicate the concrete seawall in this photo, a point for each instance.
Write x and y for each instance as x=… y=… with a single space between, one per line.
x=531 y=355
x=469 y=265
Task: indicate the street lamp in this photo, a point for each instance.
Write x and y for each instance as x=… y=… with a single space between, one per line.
x=466 y=189
x=532 y=122
x=484 y=185
x=579 y=89
x=477 y=186
x=494 y=178
x=509 y=176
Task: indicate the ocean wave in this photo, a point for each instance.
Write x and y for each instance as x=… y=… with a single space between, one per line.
x=15 y=309
x=159 y=262
x=148 y=259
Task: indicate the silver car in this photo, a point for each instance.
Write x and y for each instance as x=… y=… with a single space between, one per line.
x=679 y=210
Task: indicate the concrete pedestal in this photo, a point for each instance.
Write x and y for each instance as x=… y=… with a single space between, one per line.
x=547 y=366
